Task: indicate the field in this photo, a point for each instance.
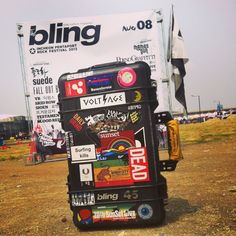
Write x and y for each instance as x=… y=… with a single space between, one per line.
x=202 y=190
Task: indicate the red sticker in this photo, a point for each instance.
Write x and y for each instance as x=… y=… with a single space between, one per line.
x=75 y=88
x=138 y=164
x=126 y=77
x=119 y=141
x=85 y=214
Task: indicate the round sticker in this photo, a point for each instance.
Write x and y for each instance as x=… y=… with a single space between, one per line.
x=126 y=77
x=145 y=211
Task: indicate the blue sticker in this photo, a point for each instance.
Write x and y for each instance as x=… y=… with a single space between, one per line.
x=145 y=211
x=99 y=83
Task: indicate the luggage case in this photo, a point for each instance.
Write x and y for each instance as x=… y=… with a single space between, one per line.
x=114 y=176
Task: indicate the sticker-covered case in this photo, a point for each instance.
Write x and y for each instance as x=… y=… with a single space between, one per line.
x=107 y=112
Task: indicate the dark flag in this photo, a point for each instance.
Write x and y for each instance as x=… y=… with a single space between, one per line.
x=178 y=58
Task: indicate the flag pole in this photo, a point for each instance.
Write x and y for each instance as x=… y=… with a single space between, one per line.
x=167 y=80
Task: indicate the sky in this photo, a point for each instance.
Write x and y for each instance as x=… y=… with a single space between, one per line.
x=208 y=29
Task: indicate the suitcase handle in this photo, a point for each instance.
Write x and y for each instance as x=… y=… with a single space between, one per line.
x=109 y=64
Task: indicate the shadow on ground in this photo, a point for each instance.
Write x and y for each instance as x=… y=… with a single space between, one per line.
x=178 y=207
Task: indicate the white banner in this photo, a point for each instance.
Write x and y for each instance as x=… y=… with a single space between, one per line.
x=55 y=47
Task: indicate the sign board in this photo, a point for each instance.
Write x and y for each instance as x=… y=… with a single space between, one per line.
x=52 y=48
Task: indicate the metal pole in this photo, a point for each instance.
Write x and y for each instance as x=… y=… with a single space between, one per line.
x=167 y=80
x=26 y=92
x=199 y=104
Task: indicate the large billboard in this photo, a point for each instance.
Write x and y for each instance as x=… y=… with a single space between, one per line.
x=52 y=48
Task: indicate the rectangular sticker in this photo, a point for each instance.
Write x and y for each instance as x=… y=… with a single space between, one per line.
x=83 y=153
x=104 y=100
x=112 y=172
x=82 y=199
x=86 y=173
x=99 y=83
x=119 y=212
x=119 y=141
x=75 y=88
x=138 y=164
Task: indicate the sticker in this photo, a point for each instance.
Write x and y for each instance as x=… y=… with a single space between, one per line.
x=83 y=153
x=79 y=75
x=93 y=120
x=117 y=115
x=112 y=173
x=77 y=122
x=145 y=211
x=119 y=141
x=132 y=194
x=107 y=121
x=105 y=100
x=107 y=196
x=69 y=143
x=138 y=164
x=134 y=107
x=126 y=77
x=140 y=139
x=99 y=83
x=75 y=88
x=86 y=173
x=103 y=155
x=137 y=96
x=121 y=212
x=135 y=116
x=84 y=216
x=82 y=199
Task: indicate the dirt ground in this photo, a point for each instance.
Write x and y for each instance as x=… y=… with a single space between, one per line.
x=202 y=196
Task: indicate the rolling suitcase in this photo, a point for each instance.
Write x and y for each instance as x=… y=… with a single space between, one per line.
x=107 y=112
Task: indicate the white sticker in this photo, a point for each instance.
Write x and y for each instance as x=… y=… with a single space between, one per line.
x=104 y=100
x=79 y=75
x=85 y=171
x=82 y=199
x=83 y=153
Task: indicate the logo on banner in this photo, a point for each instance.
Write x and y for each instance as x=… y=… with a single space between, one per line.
x=105 y=100
x=142 y=48
x=75 y=88
x=126 y=77
x=58 y=33
x=138 y=164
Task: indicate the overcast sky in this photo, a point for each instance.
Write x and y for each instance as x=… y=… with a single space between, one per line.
x=208 y=28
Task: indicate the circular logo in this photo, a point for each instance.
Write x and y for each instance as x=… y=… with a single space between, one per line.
x=126 y=77
x=32 y=51
x=145 y=211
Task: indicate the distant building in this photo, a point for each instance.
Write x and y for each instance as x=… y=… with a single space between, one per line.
x=13 y=126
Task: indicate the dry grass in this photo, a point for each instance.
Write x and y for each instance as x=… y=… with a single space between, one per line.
x=211 y=130
x=14 y=150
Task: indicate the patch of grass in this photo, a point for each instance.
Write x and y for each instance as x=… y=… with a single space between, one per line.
x=3 y=159
x=209 y=131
